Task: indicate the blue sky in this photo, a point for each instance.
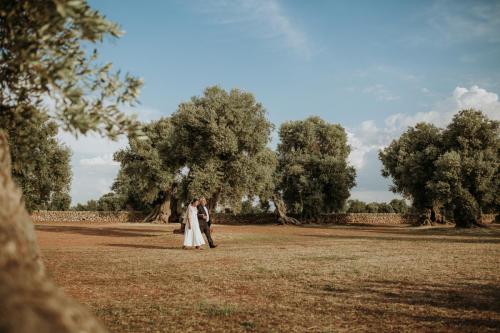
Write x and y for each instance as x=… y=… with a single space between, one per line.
x=373 y=67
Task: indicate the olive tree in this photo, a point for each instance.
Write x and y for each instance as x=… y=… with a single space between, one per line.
x=410 y=162
x=456 y=168
x=315 y=176
x=40 y=164
x=212 y=146
x=356 y=206
x=399 y=206
x=221 y=141
x=467 y=171
x=147 y=177
x=42 y=57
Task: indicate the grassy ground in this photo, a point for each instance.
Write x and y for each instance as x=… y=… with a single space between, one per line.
x=136 y=278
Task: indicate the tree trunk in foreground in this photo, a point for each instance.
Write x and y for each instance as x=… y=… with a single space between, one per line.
x=29 y=300
x=280 y=211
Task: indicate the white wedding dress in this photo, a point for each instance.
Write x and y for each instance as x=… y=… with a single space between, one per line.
x=193 y=236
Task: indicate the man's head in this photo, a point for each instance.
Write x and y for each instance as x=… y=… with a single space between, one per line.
x=203 y=201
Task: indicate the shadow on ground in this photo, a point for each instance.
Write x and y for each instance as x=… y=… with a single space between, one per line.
x=375 y=297
x=143 y=246
x=93 y=231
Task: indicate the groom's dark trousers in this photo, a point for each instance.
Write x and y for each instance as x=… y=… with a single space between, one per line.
x=204 y=225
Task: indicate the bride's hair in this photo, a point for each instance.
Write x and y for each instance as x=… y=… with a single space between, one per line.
x=194 y=200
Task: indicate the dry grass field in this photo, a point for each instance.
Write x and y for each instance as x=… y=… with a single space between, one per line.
x=136 y=278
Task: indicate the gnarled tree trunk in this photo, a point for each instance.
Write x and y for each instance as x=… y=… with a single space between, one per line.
x=431 y=216
x=161 y=213
x=29 y=300
x=212 y=205
x=163 y=210
x=280 y=211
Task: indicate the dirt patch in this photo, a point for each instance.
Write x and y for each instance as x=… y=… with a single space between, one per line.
x=136 y=277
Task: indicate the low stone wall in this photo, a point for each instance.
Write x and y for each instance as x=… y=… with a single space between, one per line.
x=364 y=218
x=359 y=218
x=86 y=216
x=121 y=217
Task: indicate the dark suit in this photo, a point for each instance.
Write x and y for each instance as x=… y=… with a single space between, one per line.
x=204 y=224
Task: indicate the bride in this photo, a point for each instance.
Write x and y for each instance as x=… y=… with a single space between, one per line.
x=192 y=232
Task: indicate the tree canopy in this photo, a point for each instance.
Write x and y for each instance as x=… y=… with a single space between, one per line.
x=221 y=139
x=40 y=164
x=315 y=176
x=213 y=146
x=45 y=54
x=457 y=167
x=148 y=168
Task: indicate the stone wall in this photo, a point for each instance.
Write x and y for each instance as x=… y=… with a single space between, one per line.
x=121 y=217
x=85 y=216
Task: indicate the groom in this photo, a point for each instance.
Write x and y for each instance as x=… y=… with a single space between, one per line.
x=205 y=221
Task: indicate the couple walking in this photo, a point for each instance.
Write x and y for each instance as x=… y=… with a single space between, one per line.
x=197 y=221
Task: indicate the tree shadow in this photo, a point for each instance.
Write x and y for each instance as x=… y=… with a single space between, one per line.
x=142 y=246
x=399 y=238
x=406 y=229
x=434 y=299
x=459 y=296
x=89 y=231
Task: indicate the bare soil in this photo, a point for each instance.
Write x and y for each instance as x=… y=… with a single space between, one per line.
x=136 y=277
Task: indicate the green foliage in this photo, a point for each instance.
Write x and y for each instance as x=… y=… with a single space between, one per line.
x=40 y=164
x=148 y=166
x=385 y=208
x=248 y=207
x=395 y=206
x=46 y=59
x=466 y=176
x=372 y=207
x=109 y=202
x=91 y=205
x=314 y=175
x=457 y=167
x=356 y=206
x=409 y=161
x=221 y=138
x=44 y=54
x=399 y=206
x=212 y=146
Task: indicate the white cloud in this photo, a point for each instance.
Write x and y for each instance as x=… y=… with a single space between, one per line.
x=461 y=98
x=371 y=196
x=264 y=19
x=92 y=144
x=103 y=160
x=368 y=137
x=381 y=93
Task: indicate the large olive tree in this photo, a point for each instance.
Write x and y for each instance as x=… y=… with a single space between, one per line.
x=410 y=162
x=42 y=58
x=315 y=176
x=212 y=146
x=467 y=172
x=148 y=173
x=221 y=141
x=456 y=168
